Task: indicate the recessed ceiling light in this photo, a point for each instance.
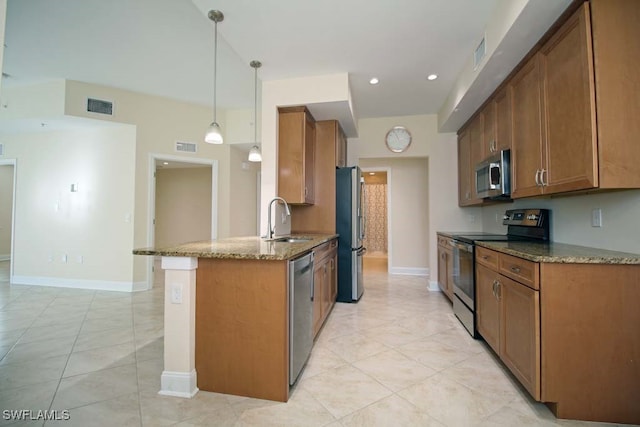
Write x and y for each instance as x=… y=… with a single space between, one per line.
x=372 y=173
x=165 y=163
x=374 y=81
x=432 y=76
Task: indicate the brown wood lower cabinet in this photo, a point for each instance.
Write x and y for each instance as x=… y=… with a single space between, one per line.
x=574 y=343
x=445 y=266
x=509 y=321
x=242 y=322
x=325 y=282
x=242 y=333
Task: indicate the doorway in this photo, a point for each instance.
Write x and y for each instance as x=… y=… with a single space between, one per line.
x=183 y=196
x=7 y=216
x=376 y=201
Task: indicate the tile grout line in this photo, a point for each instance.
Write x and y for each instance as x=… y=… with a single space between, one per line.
x=71 y=352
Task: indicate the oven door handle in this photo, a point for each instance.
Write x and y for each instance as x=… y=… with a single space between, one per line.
x=461 y=246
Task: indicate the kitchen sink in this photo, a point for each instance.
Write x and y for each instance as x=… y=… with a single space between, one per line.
x=292 y=239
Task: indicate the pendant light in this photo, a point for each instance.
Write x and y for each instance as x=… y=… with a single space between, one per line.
x=213 y=135
x=254 y=154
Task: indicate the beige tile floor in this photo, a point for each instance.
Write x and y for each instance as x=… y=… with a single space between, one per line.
x=397 y=358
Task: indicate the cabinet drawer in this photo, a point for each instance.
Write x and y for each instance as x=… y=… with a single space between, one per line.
x=487 y=257
x=324 y=250
x=525 y=272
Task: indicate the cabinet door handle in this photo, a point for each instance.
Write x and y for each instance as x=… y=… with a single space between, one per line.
x=515 y=269
x=493 y=288
x=485 y=257
x=498 y=289
x=537 y=177
x=542 y=180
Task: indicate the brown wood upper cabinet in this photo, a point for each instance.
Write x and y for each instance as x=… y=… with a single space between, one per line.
x=555 y=146
x=296 y=155
x=503 y=117
x=470 y=153
x=586 y=69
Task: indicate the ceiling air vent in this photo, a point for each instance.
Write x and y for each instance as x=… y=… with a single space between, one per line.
x=99 y=106
x=186 y=147
x=479 y=53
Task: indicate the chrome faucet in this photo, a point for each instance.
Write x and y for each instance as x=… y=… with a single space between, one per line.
x=271 y=230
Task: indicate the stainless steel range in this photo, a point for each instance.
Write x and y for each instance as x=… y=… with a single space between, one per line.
x=523 y=224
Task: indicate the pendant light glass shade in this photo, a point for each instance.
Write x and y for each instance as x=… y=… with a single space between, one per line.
x=254 y=154
x=214 y=134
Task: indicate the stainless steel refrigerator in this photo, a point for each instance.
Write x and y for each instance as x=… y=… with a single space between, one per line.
x=350 y=225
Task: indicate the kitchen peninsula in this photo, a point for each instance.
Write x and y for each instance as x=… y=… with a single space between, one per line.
x=232 y=329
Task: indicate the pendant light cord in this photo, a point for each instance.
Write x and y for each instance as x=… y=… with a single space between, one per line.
x=215 y=70
x=255 y=105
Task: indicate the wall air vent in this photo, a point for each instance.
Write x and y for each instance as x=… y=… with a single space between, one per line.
x=99 y=106
x=479 y=53
x=186 y=147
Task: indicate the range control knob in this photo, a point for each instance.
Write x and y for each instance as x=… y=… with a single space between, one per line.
x=505 y=217
x=533 y=217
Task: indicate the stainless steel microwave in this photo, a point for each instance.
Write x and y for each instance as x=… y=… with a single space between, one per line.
x=493 y=176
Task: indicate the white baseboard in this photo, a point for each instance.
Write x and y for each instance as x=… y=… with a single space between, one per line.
x=409 y=271
x=61 y=282
x=140 y=286
x=433 y=286
x=5 y=257
x=178 y=384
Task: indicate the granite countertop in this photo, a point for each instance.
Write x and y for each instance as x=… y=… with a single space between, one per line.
x=252 y=247
x=561 y=253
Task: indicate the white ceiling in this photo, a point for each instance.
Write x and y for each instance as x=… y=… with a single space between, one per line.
x=165 y=47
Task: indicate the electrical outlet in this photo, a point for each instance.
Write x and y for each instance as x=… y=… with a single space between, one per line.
x=596 y=217
x=471 y=218
x=176 y=293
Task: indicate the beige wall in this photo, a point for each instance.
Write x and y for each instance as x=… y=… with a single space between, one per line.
x=3 y=20
x=183 y=205
x=299 y=91
x=158 y=124
x=437 y=183
x=6 y=208
x=92 y=227
x=243 y=203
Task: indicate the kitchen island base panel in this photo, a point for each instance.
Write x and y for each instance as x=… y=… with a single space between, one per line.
x=590 y=341
x=242 y=345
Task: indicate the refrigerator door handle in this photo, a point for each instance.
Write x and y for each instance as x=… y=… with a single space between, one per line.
x=363 y=217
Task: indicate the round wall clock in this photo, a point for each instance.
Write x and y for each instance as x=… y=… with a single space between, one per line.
x=398 y=139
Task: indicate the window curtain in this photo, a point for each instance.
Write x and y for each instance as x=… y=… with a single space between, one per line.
x=375 y=199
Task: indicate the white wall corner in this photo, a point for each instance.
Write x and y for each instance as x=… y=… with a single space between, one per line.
x=433 y=286
x=179 y=384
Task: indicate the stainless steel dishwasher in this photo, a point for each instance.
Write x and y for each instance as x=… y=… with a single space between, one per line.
x=300 y=313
